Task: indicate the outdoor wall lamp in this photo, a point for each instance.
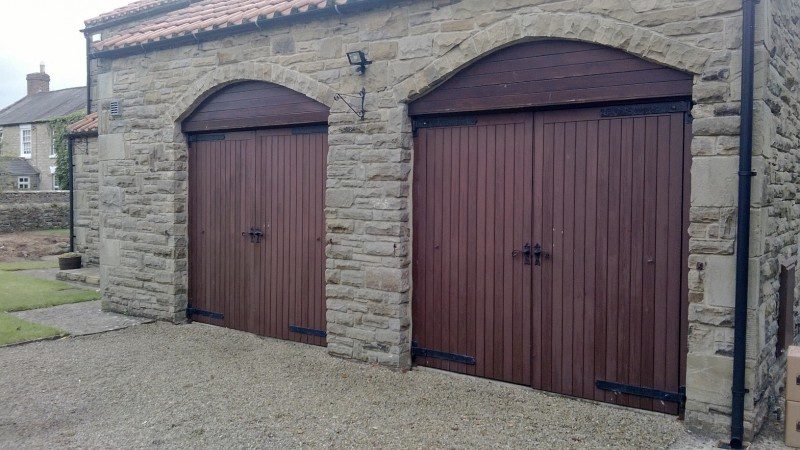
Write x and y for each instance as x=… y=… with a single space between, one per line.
x=358 y=58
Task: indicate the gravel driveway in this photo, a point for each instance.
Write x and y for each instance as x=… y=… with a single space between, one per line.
x=196 y=385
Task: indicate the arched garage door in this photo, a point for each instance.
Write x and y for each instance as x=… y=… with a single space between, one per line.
x=549 y=239
x=257 y=154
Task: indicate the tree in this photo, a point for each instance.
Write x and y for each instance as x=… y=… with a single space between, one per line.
x=61 y=138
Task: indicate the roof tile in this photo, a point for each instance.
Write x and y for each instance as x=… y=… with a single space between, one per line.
x=202 y=15
x=87 y=124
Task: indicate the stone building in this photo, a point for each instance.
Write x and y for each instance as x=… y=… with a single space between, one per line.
x=537 y=191
x=85 y=190
x=27 y=149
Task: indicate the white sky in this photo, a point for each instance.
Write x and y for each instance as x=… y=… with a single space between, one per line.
x=35 y=31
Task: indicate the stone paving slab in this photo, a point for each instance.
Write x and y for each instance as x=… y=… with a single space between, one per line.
x=80 y=318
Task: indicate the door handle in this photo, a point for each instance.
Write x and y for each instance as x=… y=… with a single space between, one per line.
x=538 y=254
x=255 y=235
x=525 y=252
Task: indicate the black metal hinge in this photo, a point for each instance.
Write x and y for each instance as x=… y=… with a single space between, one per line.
x=207 y=137
x=190 y=311
x=429 y=353
x=645 y=109
x=309 y=331
x=310 y=129
x=438 y=122
x=639 y=391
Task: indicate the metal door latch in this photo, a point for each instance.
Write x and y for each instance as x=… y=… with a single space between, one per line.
x=525 y=252
x=255 y=235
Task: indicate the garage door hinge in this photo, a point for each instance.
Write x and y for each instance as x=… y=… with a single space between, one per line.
x=309 y=331
x=190 y=311
x=438 y=122
x=639 y=391
x=645 y=109
x=206 y=137
x=310 y=129
x=429 y=353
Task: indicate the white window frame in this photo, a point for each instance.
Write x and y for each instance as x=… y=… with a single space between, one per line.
x=22 y=130
x=55 y=182
x=53 y=148
x=23 y=183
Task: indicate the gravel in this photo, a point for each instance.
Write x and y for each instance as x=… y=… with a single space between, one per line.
x=201 y=386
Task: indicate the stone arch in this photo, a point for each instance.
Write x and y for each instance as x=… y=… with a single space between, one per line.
x=222 y=76
x=639 y=41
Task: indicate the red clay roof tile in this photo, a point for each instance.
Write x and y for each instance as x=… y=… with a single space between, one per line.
x=86 y=125
x=201 y=15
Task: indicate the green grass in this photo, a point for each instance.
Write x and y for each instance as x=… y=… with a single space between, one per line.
x=27 y=265
x=14 y=330
x=20 y=292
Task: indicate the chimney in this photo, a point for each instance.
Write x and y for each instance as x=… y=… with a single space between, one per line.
x=38 y=82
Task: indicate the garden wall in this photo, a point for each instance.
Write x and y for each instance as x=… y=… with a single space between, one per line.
x=33 y=210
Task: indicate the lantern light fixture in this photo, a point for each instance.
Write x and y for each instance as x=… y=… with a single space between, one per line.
x=359 y=58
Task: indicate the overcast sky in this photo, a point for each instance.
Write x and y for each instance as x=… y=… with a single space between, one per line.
x=35 y=31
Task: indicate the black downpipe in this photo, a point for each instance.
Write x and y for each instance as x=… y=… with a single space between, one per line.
x=88 y=74
x=743 y=223
x=71 y=196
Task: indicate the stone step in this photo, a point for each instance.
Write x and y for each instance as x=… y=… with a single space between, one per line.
x=85 y=276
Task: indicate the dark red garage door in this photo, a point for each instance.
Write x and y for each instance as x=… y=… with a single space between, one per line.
x=256 y=220
x=550 y=247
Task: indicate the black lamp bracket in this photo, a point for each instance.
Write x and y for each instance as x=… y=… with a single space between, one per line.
x=362 y=95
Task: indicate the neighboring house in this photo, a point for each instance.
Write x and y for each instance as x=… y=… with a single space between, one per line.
x=26 y=137
x=539 y=192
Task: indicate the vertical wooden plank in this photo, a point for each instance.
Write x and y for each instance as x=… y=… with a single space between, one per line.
x=625 y=147
x=558 y=255
x=579 y=345
x=472 y=241
x=601 y=255
x=481 y=252
x=499 y=244
x=612 y=315
x=547 y=360
x=662 y=255
x=568 y=258
x=509 y=242
x=674 y=259
x=462 y=323
x=590 y=258
x=638 y=259
x=537 y=213
x=491 y=256
x=525 y=179
x=650 y=208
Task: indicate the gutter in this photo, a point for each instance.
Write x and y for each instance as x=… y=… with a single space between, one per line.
x=743 y=224
x=88 y=38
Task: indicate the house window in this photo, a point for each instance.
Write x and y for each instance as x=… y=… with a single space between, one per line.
x=25 y=141
x=55 y=182
x=53 y=148
x=23 y=183
x=785 y=310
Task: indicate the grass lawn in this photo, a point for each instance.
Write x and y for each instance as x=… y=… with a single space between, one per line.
x=19 y=292
x=13 y=330
x=26 y=265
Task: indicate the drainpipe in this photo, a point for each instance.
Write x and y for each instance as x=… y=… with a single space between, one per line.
x=88 y=38
x=71 y=196
x=743 y=223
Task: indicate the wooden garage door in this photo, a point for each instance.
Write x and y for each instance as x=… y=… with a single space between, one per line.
x=596 y=312
x=256 y=231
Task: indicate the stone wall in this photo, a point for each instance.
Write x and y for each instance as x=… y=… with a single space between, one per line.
x=777 y=208
x=414 y=46
x=87 y=212
x=33 y=210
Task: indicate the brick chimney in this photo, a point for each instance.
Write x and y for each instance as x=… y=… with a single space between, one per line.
x=38 y=82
